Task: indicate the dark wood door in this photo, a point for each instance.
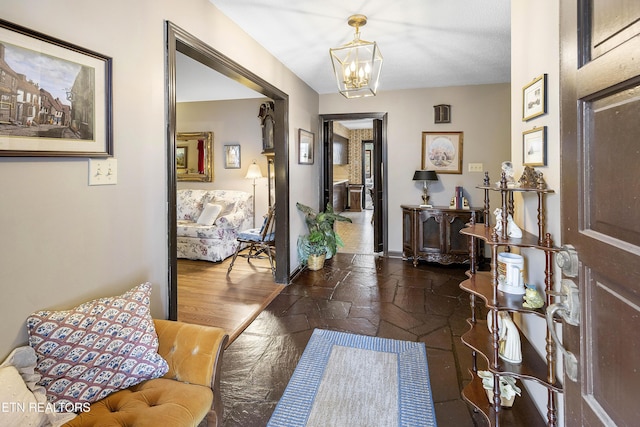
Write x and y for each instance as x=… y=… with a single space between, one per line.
x=327 y=164
x=378 y=187
x=600 y=195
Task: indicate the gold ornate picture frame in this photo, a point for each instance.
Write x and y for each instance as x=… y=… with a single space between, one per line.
x=442 y=152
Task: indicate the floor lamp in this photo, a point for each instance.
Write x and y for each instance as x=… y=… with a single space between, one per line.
x=254 y=173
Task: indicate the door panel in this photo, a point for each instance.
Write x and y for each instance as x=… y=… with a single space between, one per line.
x=327 y=164
x=378 y=188
x=600 y=195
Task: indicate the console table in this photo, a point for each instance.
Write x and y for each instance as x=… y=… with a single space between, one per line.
x=433 y=234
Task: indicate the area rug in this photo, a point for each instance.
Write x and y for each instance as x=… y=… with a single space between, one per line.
x=345 y=379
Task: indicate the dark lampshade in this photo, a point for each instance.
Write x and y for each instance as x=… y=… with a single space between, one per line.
x=422 y=175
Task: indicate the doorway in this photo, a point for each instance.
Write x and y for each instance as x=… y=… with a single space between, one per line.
x=178 y=40
x=345 y=178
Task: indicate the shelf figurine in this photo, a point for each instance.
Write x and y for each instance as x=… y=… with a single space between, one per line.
x=509 y=346
x=512 y=229
x=508 y=388
x=532 y=298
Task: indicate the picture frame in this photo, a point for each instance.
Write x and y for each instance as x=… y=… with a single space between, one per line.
x=306 y=145
x=368 y=157
x=60 y=97
x=534 y=147
x=232 y=156
x=442 y=152
x=534 y=98
x=182 y=157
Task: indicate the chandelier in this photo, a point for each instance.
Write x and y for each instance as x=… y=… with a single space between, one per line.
x=357 y=64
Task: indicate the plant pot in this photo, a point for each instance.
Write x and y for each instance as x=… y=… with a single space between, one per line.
x=505 y=403
x=315 y=262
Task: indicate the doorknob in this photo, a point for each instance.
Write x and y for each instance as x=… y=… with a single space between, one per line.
x=569 y=310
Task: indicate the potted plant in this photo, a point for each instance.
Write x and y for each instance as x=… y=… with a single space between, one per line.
x=322 y=234
x=317 y=250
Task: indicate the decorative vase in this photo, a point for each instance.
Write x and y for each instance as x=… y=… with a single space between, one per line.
x=315 y=262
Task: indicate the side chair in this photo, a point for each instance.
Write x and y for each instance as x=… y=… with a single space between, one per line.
x=259 y=241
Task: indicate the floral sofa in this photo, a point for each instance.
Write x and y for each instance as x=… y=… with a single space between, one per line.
x=208 y=222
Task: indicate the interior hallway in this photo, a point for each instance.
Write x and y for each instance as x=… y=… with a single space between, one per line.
x=360 y=293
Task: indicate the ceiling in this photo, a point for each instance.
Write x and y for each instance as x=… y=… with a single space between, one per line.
x=425 y=43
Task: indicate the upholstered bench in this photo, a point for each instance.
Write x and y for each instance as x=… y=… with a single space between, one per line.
x=187 y=395
x=107 y=362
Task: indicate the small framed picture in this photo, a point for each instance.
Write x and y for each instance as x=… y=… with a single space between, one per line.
x=442 y=151
x=534 y=98
x=534 y=147
x=305 y=147
x=232 y=156
x=182 y=156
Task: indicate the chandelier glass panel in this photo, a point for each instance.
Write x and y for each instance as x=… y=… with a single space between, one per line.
x=357 y=64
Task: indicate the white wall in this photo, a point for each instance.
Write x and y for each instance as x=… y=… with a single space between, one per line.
x=535 y=52
x=482 y=112
x=65 y=242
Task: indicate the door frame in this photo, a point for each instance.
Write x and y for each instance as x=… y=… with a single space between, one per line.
x=178 y=40
x=380 y=218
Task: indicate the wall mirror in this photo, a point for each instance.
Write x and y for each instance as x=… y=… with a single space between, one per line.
x=194 y=156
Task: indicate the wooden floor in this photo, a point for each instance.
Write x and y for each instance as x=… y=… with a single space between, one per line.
x=208 y=296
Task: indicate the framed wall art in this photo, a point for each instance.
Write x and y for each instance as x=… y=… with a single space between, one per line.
x=305 y=147
x=56 y=98
x=442 y=151
x=534 y=98
x=232 y=156
x=534 y=147
x=182 y=157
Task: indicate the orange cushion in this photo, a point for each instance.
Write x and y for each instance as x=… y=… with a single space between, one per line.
x=156 y=402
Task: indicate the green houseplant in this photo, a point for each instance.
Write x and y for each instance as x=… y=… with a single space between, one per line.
x=322 y=237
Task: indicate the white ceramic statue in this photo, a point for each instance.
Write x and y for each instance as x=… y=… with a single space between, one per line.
x=510 y=348
x=507 y=168
x=512 y=229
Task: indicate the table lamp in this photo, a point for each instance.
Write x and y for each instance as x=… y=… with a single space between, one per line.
x=425 y=176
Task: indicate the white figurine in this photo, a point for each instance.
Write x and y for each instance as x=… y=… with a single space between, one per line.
x=512 y=229
x=510 y=348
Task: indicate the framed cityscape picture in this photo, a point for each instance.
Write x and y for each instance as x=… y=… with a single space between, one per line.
x=56 y=97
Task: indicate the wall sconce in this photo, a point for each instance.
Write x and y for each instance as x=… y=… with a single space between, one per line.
x=357 y=64
x=425 y=176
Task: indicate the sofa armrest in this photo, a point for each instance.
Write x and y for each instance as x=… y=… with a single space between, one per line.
x=193 y=352
x=194 y=355
x=233 y=220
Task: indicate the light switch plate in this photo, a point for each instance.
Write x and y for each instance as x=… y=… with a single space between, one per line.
x=103 y=171
x=475 y=167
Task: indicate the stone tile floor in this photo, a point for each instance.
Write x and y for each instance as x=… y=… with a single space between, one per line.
x=364 y=294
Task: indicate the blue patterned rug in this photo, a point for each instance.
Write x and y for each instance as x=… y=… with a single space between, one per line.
x=353 y=380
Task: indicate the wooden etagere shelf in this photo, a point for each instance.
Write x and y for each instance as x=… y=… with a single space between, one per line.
x=484 y=285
